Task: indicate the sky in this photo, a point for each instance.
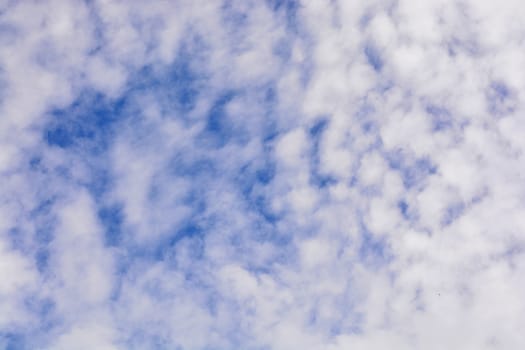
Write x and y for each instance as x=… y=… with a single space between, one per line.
x=262 y=174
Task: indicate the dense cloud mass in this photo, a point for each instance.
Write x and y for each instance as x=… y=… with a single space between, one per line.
x=267 y=174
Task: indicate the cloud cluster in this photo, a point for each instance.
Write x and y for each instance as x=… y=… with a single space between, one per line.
x=276 y=174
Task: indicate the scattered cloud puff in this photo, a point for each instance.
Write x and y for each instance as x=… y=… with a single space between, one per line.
x=276 y=174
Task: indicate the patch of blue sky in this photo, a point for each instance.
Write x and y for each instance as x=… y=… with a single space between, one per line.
x=252 y=177
x=457 y=46
x=260 y=204
x=195 y=246
x=501 y=90
x=265 y=173
x=315 y=132
x=8 y=34
x=404 y=209
x=24 y=237
x=373 y=251
x=195 y=222
x=500 y=99
x=42 y=255
x=17 y=238
x=353 y=321
x=246 y=245
x=267 y=124
x=261 y=225
x=13 y=341
x=87 y=125
x=219 y=129
x=176 y=88
x=322 y=180
x=413 y=171
x=190 y=229
x=100 y=180
x=365 y=118
x=373 y=57
x=160 y=249
x=441 y=117
x=283 y=48
x=44 y=220
x=365 y=19
x=347 y=319
x=174 y=257
x=112 y=218
x=270 y=96
x=288 y=9
x=234 y=15
x=317 y=129
x=188 y=163
x=144 y=339
x=43 y=173
x=44 y=309
x=269 y=134
x=452 y=213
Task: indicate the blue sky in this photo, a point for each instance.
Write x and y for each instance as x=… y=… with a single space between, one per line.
x=217 y=175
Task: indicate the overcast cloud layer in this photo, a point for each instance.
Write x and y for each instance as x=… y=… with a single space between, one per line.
x=258 y=174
